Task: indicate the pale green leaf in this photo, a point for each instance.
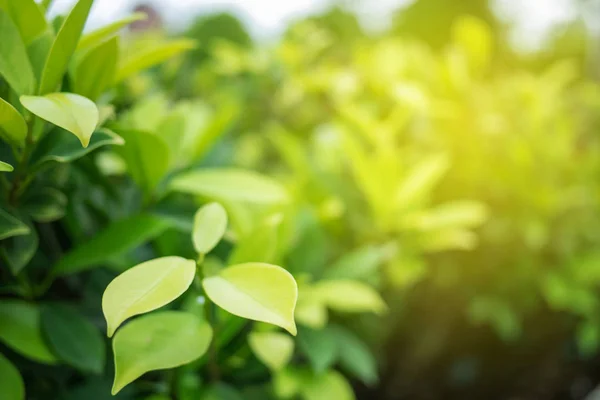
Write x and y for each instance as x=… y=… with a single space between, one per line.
x=146 y=287
x=95 y=72
x=150 y=56
x=451 y=215
x=63 y=47
x=75 y=113
x=161 y=340
x=11 y=381
x=331 y=385
x=20 y=330
x=12 y=125
x=98 y=36
x=15 y=67
x=118 y=238
x=210 y=223
x=257 y=291
x=274 y=349
x=360 y=263
x=350 y=296
x=261 y=244
x=230 y=184
x=5 y=167
x=420 y=180
x=27 y=16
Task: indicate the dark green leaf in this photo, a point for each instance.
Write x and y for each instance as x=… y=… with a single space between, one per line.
x=355 y=356
x=319 y=346
x=11 y=226
x=11 y=381
x=17 y=251
x=45 y=205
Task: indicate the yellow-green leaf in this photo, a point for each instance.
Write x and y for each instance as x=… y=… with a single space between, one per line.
x=146 y=287
x=5 y=167
x=12 y=125
x=331 y=385
x=257 y=291
x=99 y=35
x=63 y=47
x=160 y=340
x=14 y=63
x=210 y=223
x=11 y=381
x=350 y=296
x=27 y=16
x=274 y=349
x=70 y=111
x=96 y=70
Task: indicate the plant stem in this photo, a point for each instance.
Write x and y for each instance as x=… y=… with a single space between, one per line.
x=210 y=311
x=21 y=168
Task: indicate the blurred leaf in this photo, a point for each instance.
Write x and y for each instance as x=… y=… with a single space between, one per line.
x=221 y=391
x=11 y=381
x=5 y=167
x=210 y=223
x=27 y=16
x=14 y=64
x=18 y=250
x=73 y=338
x=77 y=114
x=457 y=214
x=320 y=346
x=162 y=340
x=420 y=180
x=274 y=349
x=45 y=205
x=20 y=330
x=146 y=287
x=118 y=238
x=331 y=385
x=350 y=296
x=11 y=226
x=230 y=184
x=12 y=125
x=100 y=35
x=588 y=338
x=38 y=51
x=448 y=239
x=360 y=263
x=259 y=245
x=475 y=37
x=96 y=70
x=355 y=357
x=197 y=143
x=150 y=56
x=257 y=291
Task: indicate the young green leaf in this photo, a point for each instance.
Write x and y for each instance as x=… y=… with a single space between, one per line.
x=74 y=339
x=5 y=167
x=331 y=385
x=320 y=346
x=15 y=67
x=230 y=184
x=20 y=330
x=257 y=291
x=96 y=70
x=98 y=36
x=146 y=287
x=12 y=123
x=28 y=17
x=63 y=47
x=359 y=263
x=274 y=349
x=70 y=111
x=210 y=223
x=151 y=56
x=160 y=340
x=355 y=356
x=11 y=381
x=38 y=51
x=350 y=296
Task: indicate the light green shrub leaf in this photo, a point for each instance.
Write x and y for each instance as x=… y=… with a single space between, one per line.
x=63 y=147
x=420 y=180
x=355 y=357
x=74 y=339
x=331 y=385
x=230 y=184
x=63 y=47
x=118 y=238
x=359 y=264
x=5 y=167
x=146 y=287
x=38 y=51
x=256 y=291
x=98 y=36
x=261 y=244
x=320 y=346
x=14 y=64
x=11 y=381
x=274 y=349
x=27 y=16
x=210 y=223
x=75 y=113
x=45 y=205
x=20 y=330
x=457 y=214
x=12 y=125
x=350 y=296
x=96 y=70
x=150 y=56
x=197 y=143
x=161 y=340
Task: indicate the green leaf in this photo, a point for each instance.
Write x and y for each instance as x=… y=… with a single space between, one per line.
x=197 y=143
x=5 y=167
x=456 y=214
x=38 y=51
x=96 y=70
x=331 y=385
x=320 y=346
x=20 y=330
x=355 y=357
x=98 y=36
x=210 y=223
x=420 y=180
x=45 y=205
x=261 y=244
x=75 y=113
x=118 y=238
x=14 y=63
x=274 y=349
x=257 y=291
x=11 y=381
x=230 y=184
x=146 y=287
x=161 y=340
x=12 y=125
x=358 y=264
x=63 y=47
x=147 y=157
x=18 y=250
x=150 y=56
x=350 y=296
x=63 y=147
x=74 y=339
x=27 y=16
